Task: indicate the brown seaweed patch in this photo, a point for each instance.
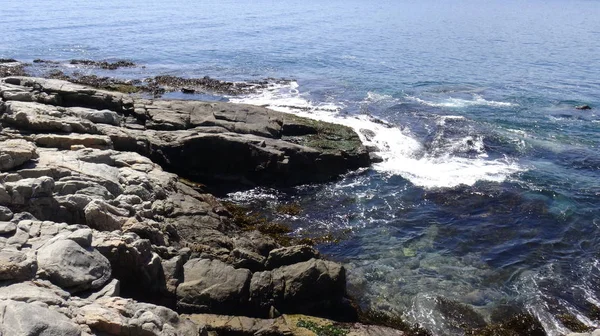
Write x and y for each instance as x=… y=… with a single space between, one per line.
x=572 y=323
x=458 y=315
x=391 y=321
x=290 y=209
x=522 y=324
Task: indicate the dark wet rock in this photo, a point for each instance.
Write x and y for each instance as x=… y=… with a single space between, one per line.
x=9 y=69
x=104 y=64
x=204 y=84
x=38 y=60
x=8 y=60
x=583 y=107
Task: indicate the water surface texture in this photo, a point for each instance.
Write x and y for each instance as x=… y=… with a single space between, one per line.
x=489 y=192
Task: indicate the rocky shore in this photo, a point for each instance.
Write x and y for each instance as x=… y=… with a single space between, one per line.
x=102 y=231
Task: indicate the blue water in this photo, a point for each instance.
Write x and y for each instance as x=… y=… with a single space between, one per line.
x=490 y=189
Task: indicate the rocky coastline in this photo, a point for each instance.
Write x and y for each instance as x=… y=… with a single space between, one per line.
x=109 y=224
x=103 y=232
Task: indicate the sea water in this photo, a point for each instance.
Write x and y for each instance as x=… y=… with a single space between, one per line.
x=489 y=189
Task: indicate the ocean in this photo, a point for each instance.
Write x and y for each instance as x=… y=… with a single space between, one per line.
x=488 y=194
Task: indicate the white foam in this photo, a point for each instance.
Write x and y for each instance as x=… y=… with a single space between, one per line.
x=461 y=103
x=402 y=153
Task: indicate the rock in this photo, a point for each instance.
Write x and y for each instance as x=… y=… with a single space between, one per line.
x=7 y=227
x=29 y=319
x=70 y=266
x=35 y=292
x=113 y=288
x=119 y=316
x=212 y=286
x=290 y=255
x=242 y=325
x=23 y=190
x=583 y=107
x=17 y=265
x=83 y=237
x=313 y=286
x=241 y=258
x=286 y=325
x=70 y=140
x=14 y=153
x=133 y=262
x=5 y=213
x=102 y=216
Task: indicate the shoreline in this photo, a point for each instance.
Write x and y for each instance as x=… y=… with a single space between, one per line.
x=107 y=135
x=75 y=181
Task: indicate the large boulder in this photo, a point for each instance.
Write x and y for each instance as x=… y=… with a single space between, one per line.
x=213 y=286
x=313 y=286
x=71 y=266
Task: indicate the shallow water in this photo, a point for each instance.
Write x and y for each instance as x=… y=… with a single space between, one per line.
x=489 y=193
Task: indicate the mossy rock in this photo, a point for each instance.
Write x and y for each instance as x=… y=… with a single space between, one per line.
x=321 y=135
x=302 y=325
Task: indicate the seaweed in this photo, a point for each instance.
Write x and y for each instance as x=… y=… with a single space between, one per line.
x=322 y=330
x=522 y=324
x=570 y=321
x=391 y=321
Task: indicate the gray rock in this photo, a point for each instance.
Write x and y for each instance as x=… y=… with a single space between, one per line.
x=83 y=237
x=18 y=239
x=103 y=216
x=113 y=288
x=241 y=258
x=29 y=319
x=119 y=316
x=290 y=255
x=212 y=286
x=23 y=190
x=35 y=292
x=7 y=227
x=132 y=260
x=5 y=213
x=14 y=153
x=17 y=265
x=300 y=288
x=70 y=140
x=70 y=266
